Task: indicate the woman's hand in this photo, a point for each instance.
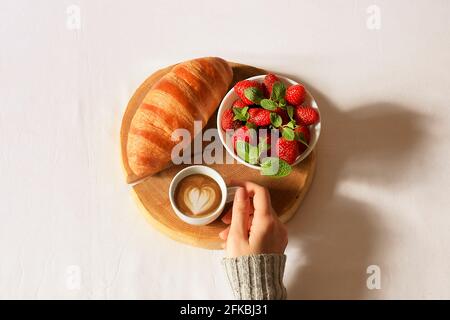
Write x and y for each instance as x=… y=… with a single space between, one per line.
x=254 y=226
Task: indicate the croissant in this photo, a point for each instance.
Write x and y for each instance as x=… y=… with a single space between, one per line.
x=191 y=91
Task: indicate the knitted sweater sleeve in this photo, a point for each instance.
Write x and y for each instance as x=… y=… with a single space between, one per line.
x=256 y=277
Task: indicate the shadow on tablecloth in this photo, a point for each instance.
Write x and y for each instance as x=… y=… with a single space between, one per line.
x=338 y=232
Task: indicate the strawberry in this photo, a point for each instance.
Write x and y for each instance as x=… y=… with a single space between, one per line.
x=269 y=80
x=283 y=114
x=295 y=95
x=259 y=117
x=303 y=133
x=227 y=121
x=238 y=104
x=243 y=134
x=241 y=86
x=306 y=116
x=287 y=150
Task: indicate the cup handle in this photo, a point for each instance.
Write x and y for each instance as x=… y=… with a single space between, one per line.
x=230 y=194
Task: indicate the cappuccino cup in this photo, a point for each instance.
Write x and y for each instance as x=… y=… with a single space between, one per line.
x=198 y=195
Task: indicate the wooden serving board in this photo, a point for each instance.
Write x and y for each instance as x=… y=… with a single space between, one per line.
x=152 y=194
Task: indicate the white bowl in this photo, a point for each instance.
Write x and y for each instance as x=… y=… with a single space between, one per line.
x=231 y=96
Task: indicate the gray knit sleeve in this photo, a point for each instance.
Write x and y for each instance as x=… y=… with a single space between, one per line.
x=256 y=277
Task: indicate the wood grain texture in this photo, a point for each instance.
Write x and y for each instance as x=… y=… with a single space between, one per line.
x=152 y=193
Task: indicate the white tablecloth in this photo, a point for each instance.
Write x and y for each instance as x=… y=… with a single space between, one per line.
x=380 y=199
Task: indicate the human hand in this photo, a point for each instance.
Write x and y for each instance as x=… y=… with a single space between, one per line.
x=254 y=225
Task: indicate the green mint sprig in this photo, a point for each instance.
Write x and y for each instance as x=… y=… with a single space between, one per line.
x=263 y=147
x=290 y=112
x=275 y=120
x=276 y=99
x=288 y=133
x=278 y=92
x=275 y=167
x=247 y=152
x=254 y=95
x=270 y=166
x=269 y=104
x=241 y=114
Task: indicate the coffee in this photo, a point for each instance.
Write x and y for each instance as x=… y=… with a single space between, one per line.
x=197 y=195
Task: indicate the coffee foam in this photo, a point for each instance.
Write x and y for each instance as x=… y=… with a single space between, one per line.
x=199 y=200
x=198 y=195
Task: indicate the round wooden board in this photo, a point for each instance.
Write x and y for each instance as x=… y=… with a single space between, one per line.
x=152 y=194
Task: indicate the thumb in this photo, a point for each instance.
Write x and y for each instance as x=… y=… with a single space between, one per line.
x=240 y=214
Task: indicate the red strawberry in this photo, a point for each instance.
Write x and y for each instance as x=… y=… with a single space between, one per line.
x=259 y=117
x=287 y=150
x=269 y=80
x=228 y=122
x=283 y=114
x=295 y=95
x=303 y=133
x=241 y=86
x=238 y=104
x=306 y=116
x=243 y=134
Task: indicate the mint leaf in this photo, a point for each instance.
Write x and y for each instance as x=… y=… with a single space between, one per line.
x=247 y=152
x=251 y=125
x=278 y=91
x=268 y=104
x=291 y=124
x=241 y=114
x=253 y=154
x=288 y=133
x=290 y=112
x=275 y=167
x=253 y=94
x=242 y=149
x=282 y=102
x=275 y=119
x=263 y=147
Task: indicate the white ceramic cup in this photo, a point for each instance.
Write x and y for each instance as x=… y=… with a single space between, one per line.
x=227 y=194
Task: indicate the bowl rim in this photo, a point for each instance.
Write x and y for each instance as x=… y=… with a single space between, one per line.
x=221 y=109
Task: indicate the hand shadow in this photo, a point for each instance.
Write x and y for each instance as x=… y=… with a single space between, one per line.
x=336 y=233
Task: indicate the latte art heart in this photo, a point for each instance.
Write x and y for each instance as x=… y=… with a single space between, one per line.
x=199 y=200
x=197 y=195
